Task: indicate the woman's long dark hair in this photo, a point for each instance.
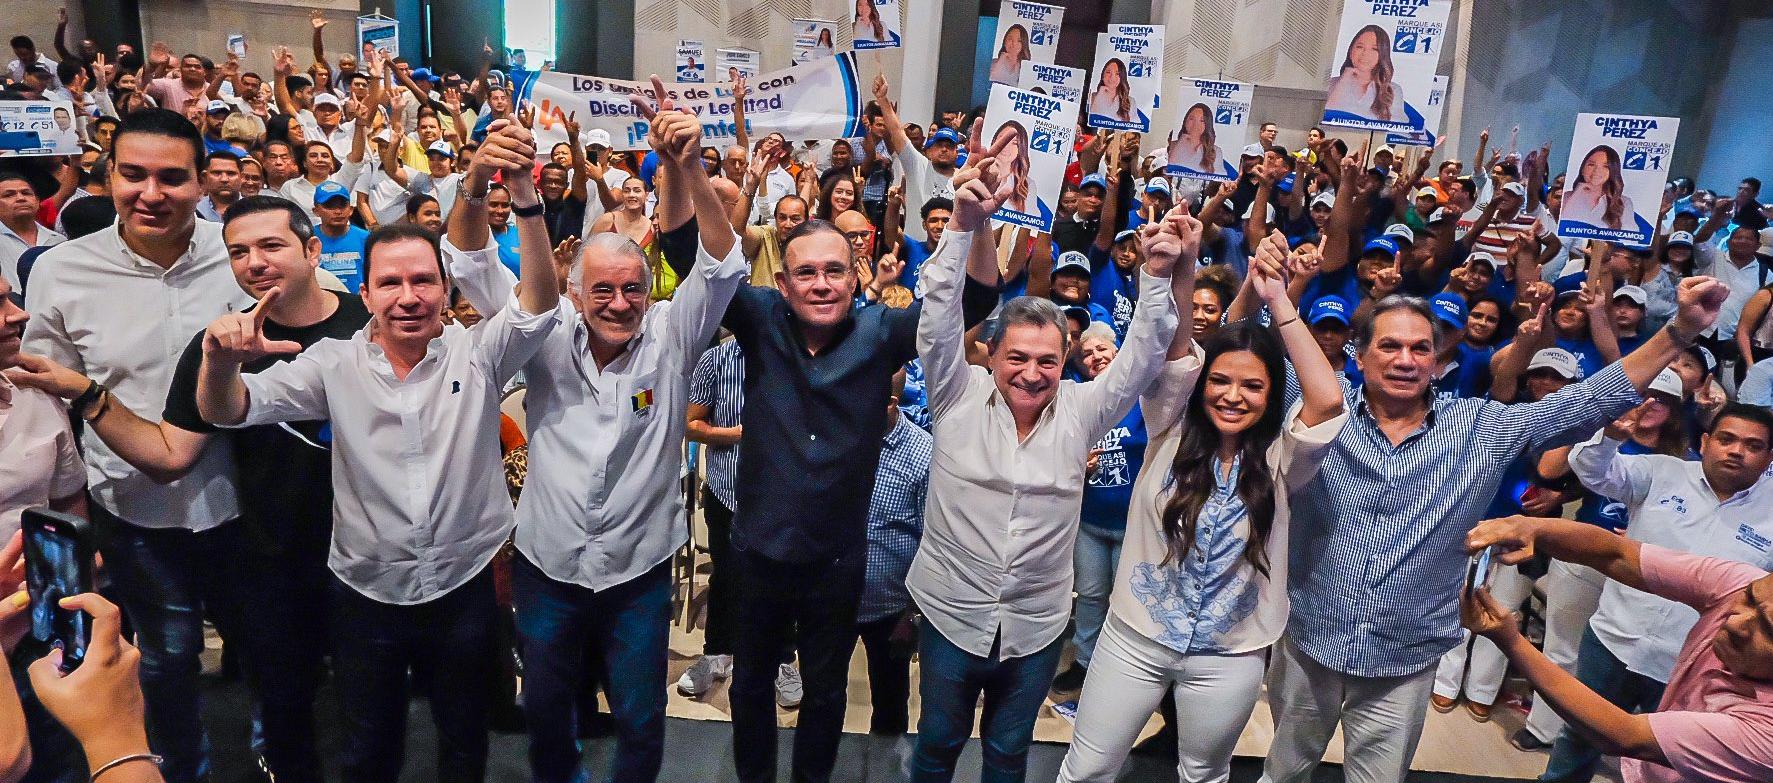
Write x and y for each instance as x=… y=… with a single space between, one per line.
x=1191 y=472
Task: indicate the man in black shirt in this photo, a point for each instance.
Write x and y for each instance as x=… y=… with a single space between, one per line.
x=817 y=374
x=284 y=472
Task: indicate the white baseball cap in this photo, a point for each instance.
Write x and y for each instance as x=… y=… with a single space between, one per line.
x=441 y=147
x=1633 y=293
x=326 y=99
x=1516 y=188
x=1668 y=382
x=1557 y=360
x=596 y=137
x=1253 y=150
x=1680 y=238
x=1326 y=198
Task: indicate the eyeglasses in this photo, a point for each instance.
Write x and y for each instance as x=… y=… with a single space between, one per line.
x=603 y=296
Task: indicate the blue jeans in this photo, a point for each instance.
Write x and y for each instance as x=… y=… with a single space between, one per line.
x=951 y=680
x=165 y=579
x=452 y=638
x=630 y=625
x=1097 y=552
x=1573 y=759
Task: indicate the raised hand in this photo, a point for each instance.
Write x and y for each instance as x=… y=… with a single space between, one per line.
x=741 y=88
x=978 y=189
x=1698 y=300
x=509 y=148
x=282 y=61
x=238 y=338
x=1304 y=262
x=317 y=19
x=675 y=135
x=883 y=92
x=888 y=269
x=526 y=115
x=571 y=125
x=1531 y=329
x=1269 y=282
x=565 y=253
x=43 y=374
x=1387 y=281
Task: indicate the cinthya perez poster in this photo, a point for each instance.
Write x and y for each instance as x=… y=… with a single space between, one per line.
x=1382 y=69
x=1026 y=32
x=1210 y=135
x=1036 y=133
x=1066 y=84
x=876 y=25
x=1614 y=179
x=1124 y=82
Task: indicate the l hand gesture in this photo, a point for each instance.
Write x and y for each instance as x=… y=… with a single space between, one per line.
x=238 y=338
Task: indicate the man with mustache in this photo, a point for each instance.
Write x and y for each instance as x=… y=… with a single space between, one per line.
x=1377 y=562
x=420 y=506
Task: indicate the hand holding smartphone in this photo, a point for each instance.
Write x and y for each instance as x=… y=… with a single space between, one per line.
x=58 y=564
x=1478 y=573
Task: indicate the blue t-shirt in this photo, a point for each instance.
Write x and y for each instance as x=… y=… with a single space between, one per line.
x=508 y=253
x=1513 y=486
x=1109 y=490
x=915 y=255
x=1588 y=357
x=343 y=256
x=1113 y=290
x=1472 y=377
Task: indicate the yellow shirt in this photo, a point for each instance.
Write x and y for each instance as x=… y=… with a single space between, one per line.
x=766 y=261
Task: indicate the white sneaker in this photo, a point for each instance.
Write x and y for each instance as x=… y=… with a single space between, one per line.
x=701 y=676
x=788 y=687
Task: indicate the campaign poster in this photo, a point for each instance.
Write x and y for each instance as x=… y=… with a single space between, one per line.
x=1040 y=130
x=877 y=25
x=1209 y=138
x=1614 y=179
x=1026 y=32
x=1431 y=119
x=378 y=31
x=813 y=39
x=692 y=61
x=1066 y=84
x=1382 y=68
x=30 y=128
x=818 y=100
x=1125 y=79
x=237 y=44
x=737 y=61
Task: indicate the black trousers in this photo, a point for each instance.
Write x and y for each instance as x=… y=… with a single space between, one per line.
x=889 y=676
x=814 y=605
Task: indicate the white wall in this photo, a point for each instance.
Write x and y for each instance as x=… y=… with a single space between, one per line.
x=1737 y=146
x=203 y=28
x=762 y=27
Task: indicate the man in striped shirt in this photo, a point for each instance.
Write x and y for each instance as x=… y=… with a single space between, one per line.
x=1378 y=538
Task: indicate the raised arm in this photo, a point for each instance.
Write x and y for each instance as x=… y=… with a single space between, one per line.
x=231 y=341
x=317 y=20
x=1337 y=249
x=1322 y=394
x=895 y=129
x=1509 y=363
x=941 y=331
x=1698 y=301
x=282 y=67
x=741 y=91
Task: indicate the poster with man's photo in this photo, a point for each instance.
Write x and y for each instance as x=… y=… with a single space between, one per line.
x=814 y=39
x=876 y=25
x=1210 y=136
x=30 y=128
x=1123 y=85
x=1026 y=32
x=1036 y=133
x=1066 y=84
x=1613 y=181
x=738 y=61
x=692 y=61
x=1382 y=67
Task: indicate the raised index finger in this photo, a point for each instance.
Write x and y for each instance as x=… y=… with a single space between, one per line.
x=664 y=98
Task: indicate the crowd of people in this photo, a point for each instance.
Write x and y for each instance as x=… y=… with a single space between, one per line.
x=1205 y=438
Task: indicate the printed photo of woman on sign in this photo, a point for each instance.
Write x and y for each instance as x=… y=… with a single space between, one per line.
x=1364 y=87
x=876 y=24
x=1113 y=98
x=1194 y=147
x=1006 y=67
x=1597 y=196
x=1013 y=162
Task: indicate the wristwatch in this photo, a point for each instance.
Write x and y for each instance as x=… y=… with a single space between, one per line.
x=532 y=210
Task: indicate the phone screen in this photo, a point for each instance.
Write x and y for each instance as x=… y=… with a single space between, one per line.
x=53 y=571
x=1479 y=575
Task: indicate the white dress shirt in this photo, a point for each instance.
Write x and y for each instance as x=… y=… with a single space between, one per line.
x=1743 y=282
x=1001 y=518
x=419 y=498
x=602 y=503
x=1671 y=505
x=12 y=246
x=121 y=320
x=41 y=462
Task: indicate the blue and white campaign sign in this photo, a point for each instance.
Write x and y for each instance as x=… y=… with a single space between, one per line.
x=818 y=100
x=380 y=32
x=1613 y=182
x=1040 y=130
x=1066 y=84
x=1129 y=65
x=692 y=61
x=237 y=44
x=1431 y=119
x=731 y=61
x=1026 y=32
x=1382 y=69
x=814 y=39
x=30 y=128
x=877 y=25
x=1210 y=136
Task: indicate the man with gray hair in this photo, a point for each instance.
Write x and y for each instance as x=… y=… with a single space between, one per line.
x=993 y=575
x=598 y=519
x=1379 y=536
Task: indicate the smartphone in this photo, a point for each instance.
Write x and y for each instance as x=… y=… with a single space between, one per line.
x=58 y=564
x=1478 y=574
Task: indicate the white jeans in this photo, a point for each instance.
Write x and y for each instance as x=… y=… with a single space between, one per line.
x=1381 y=719
x=1571 y=594
x=1214 y=696
x=1488 y=664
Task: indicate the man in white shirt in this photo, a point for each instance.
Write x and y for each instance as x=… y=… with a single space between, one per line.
x=598 y=521
x=1744 y=265
x=1720 y=506
x=419 y=506
x=928 y=172
x=19 y=229
x=993 y=574
x=26 y=54
x=163 y=275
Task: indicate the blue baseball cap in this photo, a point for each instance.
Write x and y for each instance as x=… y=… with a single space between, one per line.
x=1331 y=307
x=1385 y=243
x=422 y=75
x=1157 y=185
x=1449 y=308
x=1093 y=179
x=1126 y=234
x=947 y=134
x=329 y=190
